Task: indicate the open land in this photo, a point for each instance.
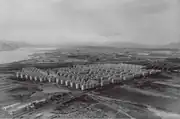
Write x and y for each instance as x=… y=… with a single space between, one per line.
x=148 y=96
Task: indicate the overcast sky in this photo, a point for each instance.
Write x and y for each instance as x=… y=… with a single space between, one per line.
x=62 y=21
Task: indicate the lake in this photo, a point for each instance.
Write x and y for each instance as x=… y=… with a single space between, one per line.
x=20 y=54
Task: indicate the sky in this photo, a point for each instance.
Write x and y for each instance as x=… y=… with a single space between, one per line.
x=90 y=21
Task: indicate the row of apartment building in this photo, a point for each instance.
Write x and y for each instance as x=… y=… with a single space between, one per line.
x=87 y=76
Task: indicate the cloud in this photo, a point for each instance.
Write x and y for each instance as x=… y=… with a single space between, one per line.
x=57 y=21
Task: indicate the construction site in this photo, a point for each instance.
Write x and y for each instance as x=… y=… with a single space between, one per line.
x=60 y=85
x=106 y=86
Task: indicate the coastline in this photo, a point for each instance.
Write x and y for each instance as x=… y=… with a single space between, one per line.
x=20 y=54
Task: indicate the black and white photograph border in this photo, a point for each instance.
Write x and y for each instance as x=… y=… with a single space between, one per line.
x=101 y=59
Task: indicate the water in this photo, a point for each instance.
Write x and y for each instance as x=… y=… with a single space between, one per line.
x=20 y=54
x=8 y=57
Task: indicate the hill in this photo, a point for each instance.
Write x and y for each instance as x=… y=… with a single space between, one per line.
x=11 y=45
x=175 y=45
x=127 y=45
x=141 y=46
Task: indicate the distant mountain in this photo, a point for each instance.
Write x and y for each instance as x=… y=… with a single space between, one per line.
x=136 y=45
x=11 y=45
x=172 y=45
x=128 y=45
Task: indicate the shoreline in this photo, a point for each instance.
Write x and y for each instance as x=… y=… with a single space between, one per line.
x=23 y=53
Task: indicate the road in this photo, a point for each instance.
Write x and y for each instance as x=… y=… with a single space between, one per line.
x=103 y=101
x=167 y=84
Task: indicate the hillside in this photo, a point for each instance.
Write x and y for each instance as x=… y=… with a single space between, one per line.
x=126 y=45
x=10 y=45
x=137 y=45
x=173 y=45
